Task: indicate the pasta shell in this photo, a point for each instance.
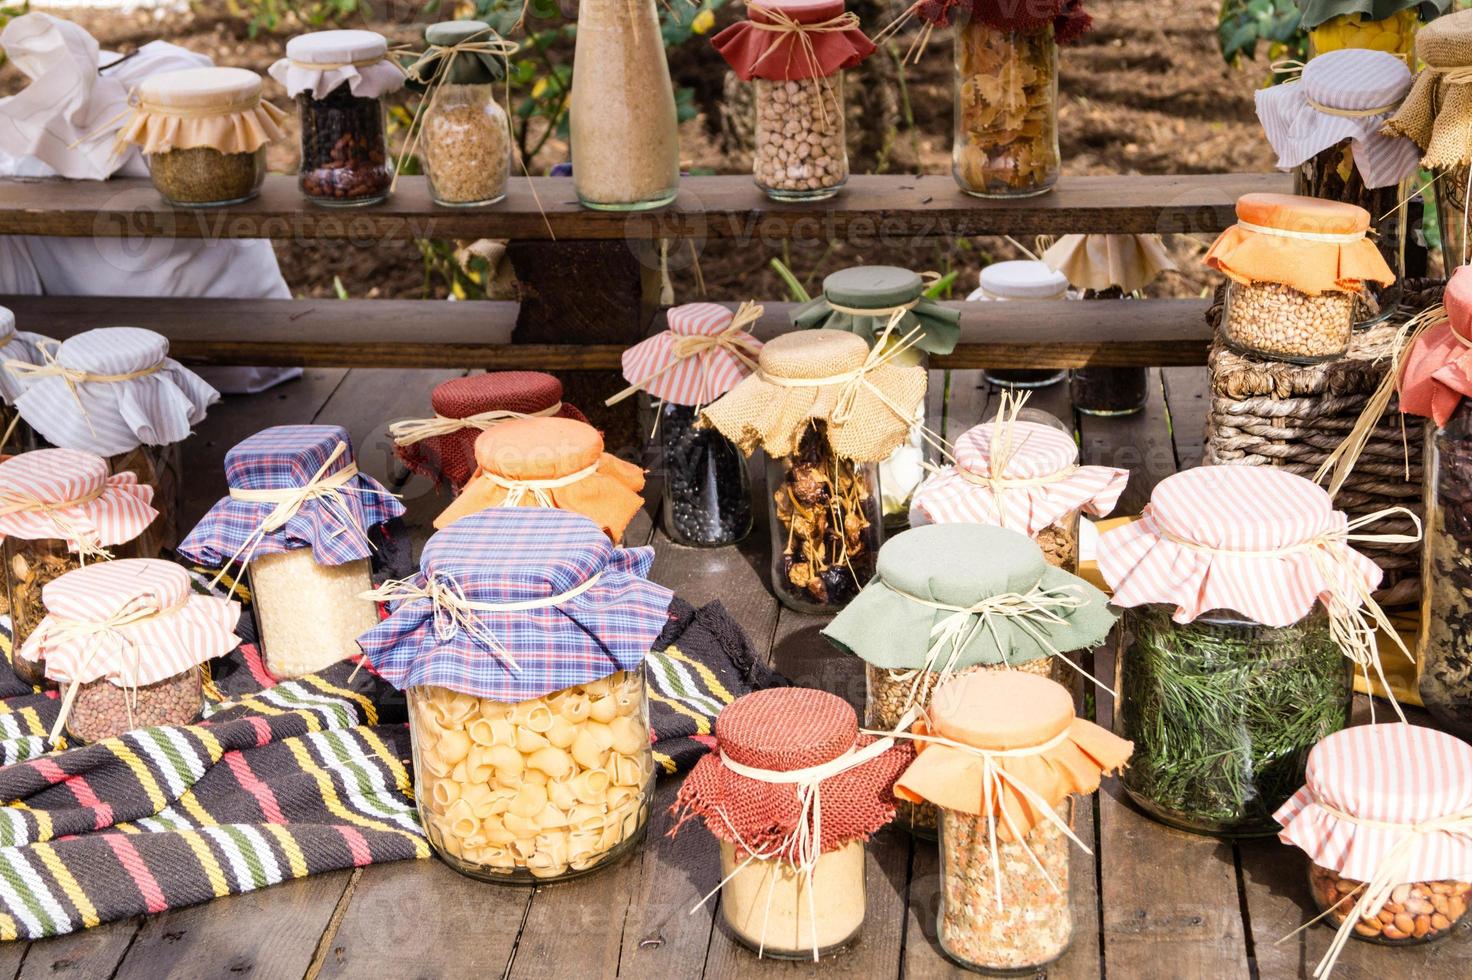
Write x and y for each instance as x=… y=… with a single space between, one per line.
x=443 y=792
x=494 y=710
x=560 y=793
x=505 y=760
x=575 y=708
x=626 y=771
x=433 y=764
x=496 y=833
x=551 y=818
x=461 y=819
x=478 y=765
x=528 y=741
x=536 y=776
x=591 y=786
x=461 y=708
x=602 y=687
x=524 y=828
x=603 y=710
x=629 y=735
x=478 y=795
x=452 y=746
x=586 y=750
x=481 y=732
x=556 y=763
x=539 y=719
x=562 y=732
x=602 y=733
x=528 y=803
x=586 y=818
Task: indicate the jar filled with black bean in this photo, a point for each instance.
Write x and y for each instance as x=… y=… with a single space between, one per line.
x=707 y=493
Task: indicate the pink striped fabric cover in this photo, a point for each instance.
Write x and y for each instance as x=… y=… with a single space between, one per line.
x=56 y=476
x=697 y=380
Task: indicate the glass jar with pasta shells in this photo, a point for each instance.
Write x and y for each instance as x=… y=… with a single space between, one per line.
x=1022 y=279
x=953 y=600
x=1386 y=26
x=308 y=571
x=1002 y=755
x=1224 y=704
x=527 y=704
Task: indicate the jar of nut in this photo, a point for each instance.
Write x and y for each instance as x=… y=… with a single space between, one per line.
x=339 y=79
x=952 y=600
x=1296 y=267
x=527 y=702
x=464 y=135
x=1389 y=846
x=126 y=641
x=794 y=53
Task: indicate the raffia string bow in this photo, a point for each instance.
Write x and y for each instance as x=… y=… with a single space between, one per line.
x=410 y=431
x=16 y=502
x=787 y=28
x=58 y=630
x=733 y=340
x=72 y=377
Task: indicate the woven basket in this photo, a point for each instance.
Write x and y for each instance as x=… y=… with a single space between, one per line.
x=1269 y=413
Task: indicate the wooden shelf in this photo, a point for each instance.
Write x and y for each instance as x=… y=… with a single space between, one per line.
x=871 y=209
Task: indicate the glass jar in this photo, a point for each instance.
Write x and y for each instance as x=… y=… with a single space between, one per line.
x=801 y=138
x=309 y=616
x=344 y=149
x=1279 y=323
x=767 y=907
x=707 y=493
x=1006 y=125
x=1223 y=712
x=160 y=467
x=622 y=123
x=1059 y=541
x=826 y=524
x=1416 y=913
x=1034 y=924
x=1332 y=175
x=204 y=177
x=541 y=790
x=103 y=710
x=467 y=146
x=1444 y=656
x=1109 y=391
x=1452 y=189
x=1022 y=279
x=1395 y=34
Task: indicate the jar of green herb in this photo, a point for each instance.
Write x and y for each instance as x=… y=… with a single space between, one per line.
x=1247 y=615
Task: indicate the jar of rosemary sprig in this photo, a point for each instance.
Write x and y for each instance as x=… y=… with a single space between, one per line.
x=1246 y=615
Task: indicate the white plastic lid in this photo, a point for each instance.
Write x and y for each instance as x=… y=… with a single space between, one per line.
x=202 y=88
x=1023 y=279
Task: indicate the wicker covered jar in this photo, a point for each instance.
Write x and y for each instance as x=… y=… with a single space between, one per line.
x=951 y=600
x=298 y=520
x=527 y=702
x=792 y=792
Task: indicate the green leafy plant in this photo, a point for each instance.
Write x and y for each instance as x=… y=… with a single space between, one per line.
x=269 y=15
x=1243 y=24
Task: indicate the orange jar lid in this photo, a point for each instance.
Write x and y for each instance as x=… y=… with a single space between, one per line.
x=998 y=710
x=1303 y=215
x=538 y=448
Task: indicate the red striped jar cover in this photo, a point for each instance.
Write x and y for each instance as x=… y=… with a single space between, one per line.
x=658 y=366
x=67 y=494
x=1040 y=483
x=132 y=622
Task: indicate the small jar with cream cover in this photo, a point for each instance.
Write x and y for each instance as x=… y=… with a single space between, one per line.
x=527 y=702
x=1022 y=279
x=298 y=520
x=792 y=792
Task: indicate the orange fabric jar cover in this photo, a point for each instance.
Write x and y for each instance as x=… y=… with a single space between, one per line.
x=769 y=46
x=1438 y=368
x=1055 y=755
x=1314 y=246
x=550 y=462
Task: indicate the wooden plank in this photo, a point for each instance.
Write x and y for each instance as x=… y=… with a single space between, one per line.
x=437 y=334
x=1188 y=397
x=1140 y=443
x=872 y=211
x=83 y=955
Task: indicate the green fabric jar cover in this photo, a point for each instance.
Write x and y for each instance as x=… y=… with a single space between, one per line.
x=1312 y=13
x=957 y=566
x=881 y=288
x=467 y=67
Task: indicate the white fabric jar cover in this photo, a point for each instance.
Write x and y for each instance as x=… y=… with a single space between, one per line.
x=110 y=390
x=16 y=346
x=321 y=62
x=1329 y=103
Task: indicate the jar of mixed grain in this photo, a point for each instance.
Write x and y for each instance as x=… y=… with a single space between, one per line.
x=1022 y=279
x=126 y=642
x=1005 y=895
x=300 y=521
x=792 y=875
x=948 y=601
x=527 y=701
x=1296 y=267
x=339 y=80
x=203 y=132
x=1389 y=845
x=465 y=136
x=794 y=53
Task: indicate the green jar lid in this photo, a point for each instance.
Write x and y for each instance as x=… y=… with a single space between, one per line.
x=872 y=287
x=468 y=68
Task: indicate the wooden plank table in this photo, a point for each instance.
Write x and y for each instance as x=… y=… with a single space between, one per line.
x=1150 y=902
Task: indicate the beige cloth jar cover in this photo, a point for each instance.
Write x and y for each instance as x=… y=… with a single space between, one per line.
x=323 y=61
x=219 y=108
x=1101 y=262
x=867 y=400
x=1437 y=115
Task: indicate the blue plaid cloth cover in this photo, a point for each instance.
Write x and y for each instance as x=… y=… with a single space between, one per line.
x=279 y=458
x=513 y=554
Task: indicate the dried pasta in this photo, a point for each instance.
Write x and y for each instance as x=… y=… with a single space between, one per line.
x=539 y=789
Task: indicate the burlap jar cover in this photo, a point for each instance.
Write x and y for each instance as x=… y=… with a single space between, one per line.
x=217 y=108
x=1311 y=245
x=20 y=346
x=1347 y=94
x=323 y=61
x=793 y=40
x=872 y=300
x=1099 y=262
x=550 y=462
x=1366 y=816
x=866 y=401
x=70 y=495
x=442 y=448
x=110 y=390
x=705 y=352
x=1437 y=115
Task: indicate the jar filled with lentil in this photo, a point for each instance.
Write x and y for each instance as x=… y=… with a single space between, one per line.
x=1296 y=267
x=827 y=409
x=888 y=307
x=1385 y=820
x=339 y=80
x=203 y=132
x=1246 y=612
x=298 y=519
x=59 y=510
x=527 y=701
x=793 y=882
x=1002 y=755
x=126 y=641
x=705 y=352
x=949 y=601
x=1022 y=279
x=794 y=53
